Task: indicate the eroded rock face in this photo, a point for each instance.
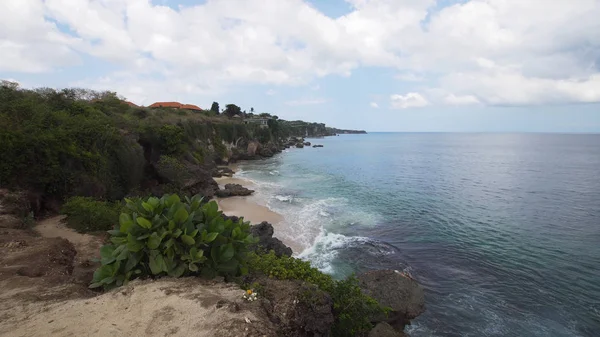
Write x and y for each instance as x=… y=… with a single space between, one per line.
x=264 y=233
x=232 y=190
x=299 y=145
x=397 y=291
x=306 y=143
x=253 y=146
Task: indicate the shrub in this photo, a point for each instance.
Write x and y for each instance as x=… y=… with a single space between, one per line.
x=352 y=308
x=158 y=237
x=89 y=215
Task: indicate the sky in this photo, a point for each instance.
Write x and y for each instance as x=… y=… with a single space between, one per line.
x=378 y=65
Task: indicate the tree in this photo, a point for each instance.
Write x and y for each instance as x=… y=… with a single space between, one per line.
x=232 y=110
x=215 y=107
x=251 y=110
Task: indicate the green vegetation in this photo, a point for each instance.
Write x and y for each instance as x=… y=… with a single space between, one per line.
x=86 y=214
x=158 y=237
x=352 y=308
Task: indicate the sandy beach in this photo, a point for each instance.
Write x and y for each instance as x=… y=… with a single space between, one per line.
x=250 y=209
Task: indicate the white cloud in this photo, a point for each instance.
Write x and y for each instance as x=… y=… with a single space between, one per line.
x=306 y=102
x=374 y=105
x=270 y=92
x=496 y=51
x=461 y=100
x=409 y=77
x=410 y=100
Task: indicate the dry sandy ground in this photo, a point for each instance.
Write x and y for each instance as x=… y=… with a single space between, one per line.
x=168 y=307
x=87 y=246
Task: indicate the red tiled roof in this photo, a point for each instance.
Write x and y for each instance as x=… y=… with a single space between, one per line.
x=131 y=104
x=190 y=107
x=166 y=105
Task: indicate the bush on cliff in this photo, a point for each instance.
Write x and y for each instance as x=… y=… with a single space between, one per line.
x=352 y=308
x=90 y=215
x=158 y=237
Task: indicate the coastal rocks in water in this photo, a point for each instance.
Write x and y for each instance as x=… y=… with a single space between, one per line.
x=397 y=291
x=383 y=329
x=232 y=190
x=306 y=143
x=296 y=308
x=221 y=171
x=317 y=145
x=266 y=152
x=264 y=233
x=299 y=145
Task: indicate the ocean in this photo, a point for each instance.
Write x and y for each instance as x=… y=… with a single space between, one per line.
x=502 y=230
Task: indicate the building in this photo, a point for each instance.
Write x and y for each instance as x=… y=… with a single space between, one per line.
x=263 y=122
x=175 y=105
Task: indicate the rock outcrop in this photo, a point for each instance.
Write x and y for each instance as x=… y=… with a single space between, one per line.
x=383 y=329
x=317 y=145
x=299 y=145
x=297 y=309
x=264 y=232
x=232 y=190
x=397 y=291
x=306 y=143
x=188 y=177
x=222 y=171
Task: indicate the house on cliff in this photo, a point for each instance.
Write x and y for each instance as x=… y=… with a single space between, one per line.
x=176 y=105
x=262 y=122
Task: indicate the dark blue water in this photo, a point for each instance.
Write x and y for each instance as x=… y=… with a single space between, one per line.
x=502 y=230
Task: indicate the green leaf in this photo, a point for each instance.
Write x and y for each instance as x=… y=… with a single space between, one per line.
x=124 y=218
x=143 y=222
x=172 y=225
x=102 y=273
x=194 y=233
x=114 y=232
x=132 y=261
x=154 y=201
x=169 y=243
x=177 y=271
x=230 y=266
x=226 y=252
x=154 y=241
x=211 y=237
x=118 y=240
x=134 y=245
x=125 y=223
x=173 y=199
x=188 y=240
x=208 y=273
x=177 y=233
x=181 y=215
x=193 y=267
x=157 y=264
x=148 y=207
x=236 y=233
x=95 y=285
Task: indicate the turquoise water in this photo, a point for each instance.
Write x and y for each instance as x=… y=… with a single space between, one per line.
x=502 y=230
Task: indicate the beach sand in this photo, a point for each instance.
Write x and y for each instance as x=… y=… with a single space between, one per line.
x=251 y=210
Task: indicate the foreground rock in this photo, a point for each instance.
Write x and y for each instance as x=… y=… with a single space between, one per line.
x=222 y=171
x=232 y=190
x=264 y=233
x=394 y=290
x=385 y=330
x=296 y=308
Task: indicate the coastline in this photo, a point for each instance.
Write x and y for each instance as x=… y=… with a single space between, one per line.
x=250 y=209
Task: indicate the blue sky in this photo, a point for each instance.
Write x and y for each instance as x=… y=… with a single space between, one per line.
x=379 y=65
